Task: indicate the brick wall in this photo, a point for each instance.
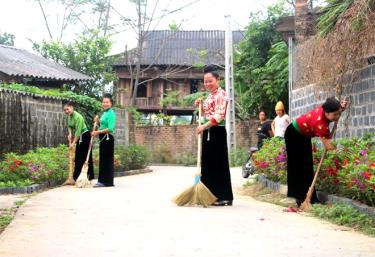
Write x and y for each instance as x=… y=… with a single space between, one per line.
x=169 y=142
x=358 y=119
x=28 y=121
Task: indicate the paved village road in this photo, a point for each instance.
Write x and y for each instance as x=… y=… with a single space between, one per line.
x=137 y=219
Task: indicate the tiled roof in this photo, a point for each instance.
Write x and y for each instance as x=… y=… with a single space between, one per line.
x=165 y=47
x=20 y=63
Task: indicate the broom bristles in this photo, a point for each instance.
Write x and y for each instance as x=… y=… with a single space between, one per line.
x=82 y=180
x=197 y=194
x=69 y=182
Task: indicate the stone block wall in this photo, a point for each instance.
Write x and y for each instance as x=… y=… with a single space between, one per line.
x=359 y=119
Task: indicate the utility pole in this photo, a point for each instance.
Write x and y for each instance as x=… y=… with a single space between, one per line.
x=230 y=121
x=290 y=68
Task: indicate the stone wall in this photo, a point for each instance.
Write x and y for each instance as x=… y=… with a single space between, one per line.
x=28 y=121
x=168 y=142
x=358 y=119
x=121 y=131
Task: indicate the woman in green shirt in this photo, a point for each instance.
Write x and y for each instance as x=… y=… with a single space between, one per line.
x=106 y=145
x=79 y=137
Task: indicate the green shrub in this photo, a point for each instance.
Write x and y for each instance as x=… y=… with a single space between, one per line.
x=163 y=155
x=133 y=157
x=238 y=157
x=345 y=215
x=186 y=159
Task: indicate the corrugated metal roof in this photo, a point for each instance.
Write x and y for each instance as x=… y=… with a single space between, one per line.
x=20 y=63
x=165 y=47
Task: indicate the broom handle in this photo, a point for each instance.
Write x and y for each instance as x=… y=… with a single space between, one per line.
x=91 y=142
x=70 y=161
x=311 y=188
x=199 y=152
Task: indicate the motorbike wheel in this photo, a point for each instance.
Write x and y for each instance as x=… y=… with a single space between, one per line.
x=245 y=171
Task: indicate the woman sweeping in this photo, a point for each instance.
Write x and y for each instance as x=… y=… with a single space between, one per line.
x=298 y=136
x=81 y=140
x=106 y=145
x=215 y=164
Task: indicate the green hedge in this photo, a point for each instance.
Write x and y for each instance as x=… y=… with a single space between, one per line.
x=127 y=158
x=349 y=171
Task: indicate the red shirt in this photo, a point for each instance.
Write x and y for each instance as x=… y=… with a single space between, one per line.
x=314 y=123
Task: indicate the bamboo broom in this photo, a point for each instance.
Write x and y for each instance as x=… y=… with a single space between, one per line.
x=198 y=194
x=306 y=205
x=70 y=181
x=82 y=180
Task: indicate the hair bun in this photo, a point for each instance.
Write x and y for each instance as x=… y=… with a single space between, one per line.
x=210 y=68
x=107 y=95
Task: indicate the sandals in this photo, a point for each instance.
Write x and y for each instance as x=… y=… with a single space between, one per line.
x=223 y=203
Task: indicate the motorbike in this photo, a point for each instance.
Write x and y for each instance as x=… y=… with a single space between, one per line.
x=248 y=167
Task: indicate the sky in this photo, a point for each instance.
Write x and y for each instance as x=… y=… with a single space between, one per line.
x=24 y=19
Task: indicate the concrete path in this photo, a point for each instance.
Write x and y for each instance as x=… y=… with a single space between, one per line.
x=137 y=219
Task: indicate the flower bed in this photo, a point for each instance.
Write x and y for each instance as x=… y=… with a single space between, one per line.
x=349 y=171
x=35 y=167
x=50 y=166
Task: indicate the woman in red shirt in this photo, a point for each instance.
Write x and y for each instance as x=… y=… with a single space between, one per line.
x=298 y=136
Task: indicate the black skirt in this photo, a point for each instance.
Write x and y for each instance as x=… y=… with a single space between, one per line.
x=300 y=168
x=215 y=163
x=82 y=148
x=106 y=159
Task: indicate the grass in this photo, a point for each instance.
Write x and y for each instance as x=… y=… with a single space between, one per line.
x=339 y=214
x=345 y=215
x=7 y=215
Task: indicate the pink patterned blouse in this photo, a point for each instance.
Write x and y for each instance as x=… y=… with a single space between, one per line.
x=215 y=106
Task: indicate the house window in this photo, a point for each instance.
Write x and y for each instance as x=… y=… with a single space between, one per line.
x=142 y=90
x=194 y=86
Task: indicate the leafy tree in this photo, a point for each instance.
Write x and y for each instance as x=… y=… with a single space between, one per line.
x=87 y=54
x=7 y=39
x=261 y=65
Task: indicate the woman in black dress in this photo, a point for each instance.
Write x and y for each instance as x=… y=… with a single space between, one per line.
x=298 y=136
x=106 y=145
x=215 y=164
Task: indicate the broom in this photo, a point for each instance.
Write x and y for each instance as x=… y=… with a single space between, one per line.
x=198 y=194
x=70 y=181
x=306 y=205
x=82 y=180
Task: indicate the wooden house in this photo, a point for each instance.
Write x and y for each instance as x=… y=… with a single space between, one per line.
x=171 y=61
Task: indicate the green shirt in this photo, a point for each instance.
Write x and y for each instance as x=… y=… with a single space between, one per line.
x=108 y=120
x=77 y=123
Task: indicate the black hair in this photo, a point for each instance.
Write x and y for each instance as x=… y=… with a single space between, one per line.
x=68 y=103
x=263 y=112
x=331 y=105
x=213 y=70
x=109 y=96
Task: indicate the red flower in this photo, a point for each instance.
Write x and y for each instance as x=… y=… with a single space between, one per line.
x=366 y=175
x=345 y=162
x=371 y=165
